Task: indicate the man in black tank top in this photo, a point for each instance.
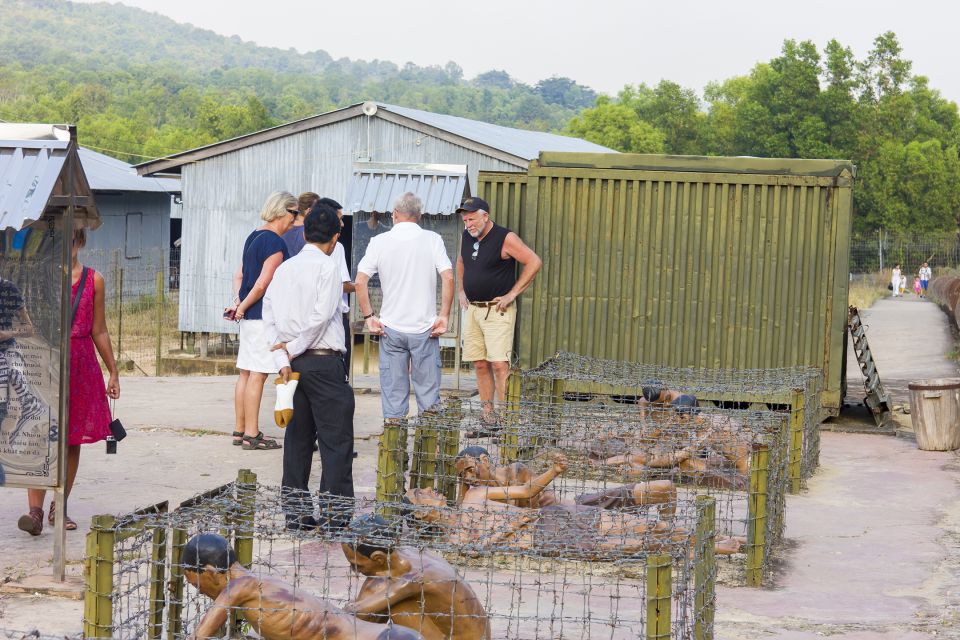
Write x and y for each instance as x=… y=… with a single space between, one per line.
x=487 y=287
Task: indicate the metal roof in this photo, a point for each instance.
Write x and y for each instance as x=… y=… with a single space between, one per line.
x=109 y=174
x=28 y=174
x=32 y=162
x=376 y=185
x=519 y=142
x=517 y=146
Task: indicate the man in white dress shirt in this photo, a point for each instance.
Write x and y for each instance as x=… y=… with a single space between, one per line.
x=408 y=259
x=302 y=314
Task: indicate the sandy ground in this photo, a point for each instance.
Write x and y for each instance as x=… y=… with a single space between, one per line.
x=873 y=545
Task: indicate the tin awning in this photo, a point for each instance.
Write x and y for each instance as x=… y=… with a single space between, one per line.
x=375 y=186
x=33 y=176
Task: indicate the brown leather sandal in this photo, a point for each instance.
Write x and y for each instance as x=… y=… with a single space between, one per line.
x=32 y=522
x=68 y=524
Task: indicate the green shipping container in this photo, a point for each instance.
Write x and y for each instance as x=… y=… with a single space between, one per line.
x=687 y=261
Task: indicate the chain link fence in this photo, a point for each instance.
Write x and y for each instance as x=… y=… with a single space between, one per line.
x=141 y=305
x=880 y=251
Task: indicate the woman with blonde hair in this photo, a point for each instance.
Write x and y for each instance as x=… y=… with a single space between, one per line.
x=89 y=410
x=263 y=252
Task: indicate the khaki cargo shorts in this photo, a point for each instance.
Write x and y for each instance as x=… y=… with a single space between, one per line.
x=488 y=336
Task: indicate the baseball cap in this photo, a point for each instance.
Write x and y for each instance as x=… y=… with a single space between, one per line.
x=474 y=204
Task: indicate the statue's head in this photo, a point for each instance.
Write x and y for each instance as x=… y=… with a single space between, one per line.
x=206 y=559
x=370 y=546
x=474 y=466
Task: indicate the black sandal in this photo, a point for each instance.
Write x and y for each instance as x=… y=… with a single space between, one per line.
x=259 y=443
x=237 y=438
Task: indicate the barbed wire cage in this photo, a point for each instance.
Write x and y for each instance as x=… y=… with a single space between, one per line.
x=652 y=585
x=738 y=457
x=796 y=391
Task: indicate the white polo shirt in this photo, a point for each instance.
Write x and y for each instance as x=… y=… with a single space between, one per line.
x=408 y=259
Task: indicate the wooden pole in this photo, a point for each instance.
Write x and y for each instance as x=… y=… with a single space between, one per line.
x=247 y=497
x=390 y=465
x=449 y=446
x=178 y=539
x=704 y=580
x=366 y=353
x=119 y=355
x=797 y=415
x=659 y=591
x=510 y=443
x=98 y=600
x=757 y=514
x=158 y=579
x=158 y=366
x=423 y=467
x=90 y=575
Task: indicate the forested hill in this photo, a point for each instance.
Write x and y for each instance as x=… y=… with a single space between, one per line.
x=140 y=85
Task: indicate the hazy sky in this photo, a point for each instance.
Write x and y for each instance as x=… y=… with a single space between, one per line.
x=603 y=44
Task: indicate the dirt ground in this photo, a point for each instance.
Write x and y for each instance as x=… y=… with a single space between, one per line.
x=873 y=544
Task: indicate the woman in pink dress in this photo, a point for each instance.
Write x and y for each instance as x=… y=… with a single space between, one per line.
x=89 y=411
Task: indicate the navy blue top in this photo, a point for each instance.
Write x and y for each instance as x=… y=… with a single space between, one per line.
x=260 y=245
x=294 y=240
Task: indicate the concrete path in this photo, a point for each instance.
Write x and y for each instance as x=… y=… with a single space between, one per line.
x=872 y=547
x=910 y=339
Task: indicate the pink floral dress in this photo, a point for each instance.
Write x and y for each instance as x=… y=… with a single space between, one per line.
x=89 y=411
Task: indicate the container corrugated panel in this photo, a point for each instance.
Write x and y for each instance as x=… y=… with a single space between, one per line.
x=734 y=263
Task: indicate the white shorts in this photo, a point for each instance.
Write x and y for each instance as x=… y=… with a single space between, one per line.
x=254 y=352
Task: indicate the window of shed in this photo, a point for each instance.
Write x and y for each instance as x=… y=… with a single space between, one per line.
x=134 y=237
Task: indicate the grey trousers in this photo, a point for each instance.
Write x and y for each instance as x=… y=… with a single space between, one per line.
x=404 y=356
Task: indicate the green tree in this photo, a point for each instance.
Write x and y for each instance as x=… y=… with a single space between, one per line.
x=617 y=126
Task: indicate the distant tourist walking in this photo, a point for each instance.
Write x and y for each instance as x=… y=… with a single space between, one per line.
x=917 y=289
x=895 y=281
x=408 y=259
x=263 y=251
x=487 y=270
x=303 y=323
x=924 y=274
x=89 y=410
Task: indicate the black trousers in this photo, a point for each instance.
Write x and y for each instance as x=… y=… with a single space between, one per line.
x=323 y=408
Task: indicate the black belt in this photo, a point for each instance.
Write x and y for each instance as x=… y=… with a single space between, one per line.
x=323 y=352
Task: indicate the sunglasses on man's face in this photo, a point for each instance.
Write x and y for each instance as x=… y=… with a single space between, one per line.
x=476 y=249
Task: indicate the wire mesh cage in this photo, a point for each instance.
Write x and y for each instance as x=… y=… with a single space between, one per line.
x=642 y=575
x=795 y=391
x=615 y=456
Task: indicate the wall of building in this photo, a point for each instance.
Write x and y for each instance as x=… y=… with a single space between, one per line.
x=134 y=236
x=222 y=197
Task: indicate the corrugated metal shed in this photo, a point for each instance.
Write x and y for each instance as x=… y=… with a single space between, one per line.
x=32 y=178
x=109 y=174
x=711 y=263
x=224 y=185
x=375 y=186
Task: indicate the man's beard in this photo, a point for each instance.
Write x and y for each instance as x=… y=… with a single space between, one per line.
x=474 y=234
